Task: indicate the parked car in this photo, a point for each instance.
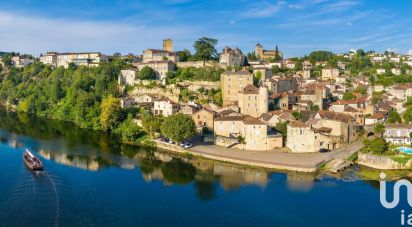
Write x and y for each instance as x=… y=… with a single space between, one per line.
x=324 y=150
x=183 y=143
x=165 y=140
x=188 y=145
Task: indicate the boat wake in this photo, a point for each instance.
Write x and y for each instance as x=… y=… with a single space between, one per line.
x=34 y=196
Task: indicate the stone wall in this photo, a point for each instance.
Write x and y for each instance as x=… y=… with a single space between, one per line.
x=168 y=92
x=195 y=85
x=381 y=162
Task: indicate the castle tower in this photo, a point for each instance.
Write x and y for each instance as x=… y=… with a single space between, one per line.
x=168 y=45
x=259 y=51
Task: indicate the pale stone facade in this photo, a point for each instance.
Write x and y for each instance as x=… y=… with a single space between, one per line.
x=128 y=77
x=397 y=133
x=64 y=59
x=161 y=67
x=159 y=55
x=265 y=54
x=253 y=101
x=330 y=74
x=232 y=83
x=204 y=118
x=254 y=133
x=165 y=107
x=21 y=62
x=231 y=57
x=49 y=58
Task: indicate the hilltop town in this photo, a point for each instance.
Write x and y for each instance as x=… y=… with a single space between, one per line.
x=248 y=108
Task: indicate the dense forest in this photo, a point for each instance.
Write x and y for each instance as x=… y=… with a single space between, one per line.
x=74 y=94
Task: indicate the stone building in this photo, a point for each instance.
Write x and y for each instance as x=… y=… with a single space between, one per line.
x=232 y=83
x=245 y=132
x=204 y=118
x=253 y=101
x=232 y=57
x=330 y=73
x=265 y=54
x=128 y=77
x=161 y=67
x=165 y=107
x=397 y=133
x=161 y=55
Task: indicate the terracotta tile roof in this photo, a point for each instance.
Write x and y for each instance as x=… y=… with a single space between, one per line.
x=248 y=120
x=335 y=116
x=298 y=124
x=250 y=89
x=376 y=116
x=351 y=109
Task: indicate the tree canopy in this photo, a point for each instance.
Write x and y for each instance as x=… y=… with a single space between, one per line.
x=205 y=49
x=110 y=115
x=178 y=127
x=147 y=73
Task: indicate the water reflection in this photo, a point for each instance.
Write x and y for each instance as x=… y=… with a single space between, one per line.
x=68 y=145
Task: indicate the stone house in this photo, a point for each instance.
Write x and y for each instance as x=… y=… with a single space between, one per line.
x=20 y=61
x=188 y=109
x=245 y=132
x=232 y=83
x=128 y=77
x=330 y=73
x=160 y=55
x=165 y=107
x=204 y=118
x=253 y=101
x=374 y=119
x=231 y=57
x=397 y=133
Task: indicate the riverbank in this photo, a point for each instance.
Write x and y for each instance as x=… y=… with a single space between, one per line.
x=275 y=160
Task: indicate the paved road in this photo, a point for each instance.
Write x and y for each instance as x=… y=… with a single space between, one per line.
x=280 y=156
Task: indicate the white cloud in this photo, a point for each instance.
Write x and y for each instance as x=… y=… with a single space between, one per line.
x=263 y=9
x=232 y=22
x=31 y=34
x=410 y=52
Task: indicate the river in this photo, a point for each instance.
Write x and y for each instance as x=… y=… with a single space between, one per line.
x=92 y=180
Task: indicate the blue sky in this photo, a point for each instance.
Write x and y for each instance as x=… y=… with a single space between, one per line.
x=126 y=26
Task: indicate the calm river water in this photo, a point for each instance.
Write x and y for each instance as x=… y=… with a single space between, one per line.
x=91 y=180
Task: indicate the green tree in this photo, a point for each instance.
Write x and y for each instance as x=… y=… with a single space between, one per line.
x=282 y=128
x=348 y=96
x=128 y=130
x=277 y=55
x=296 y=115
x=110 y=113
x=185 y=55
x=205 y=49
x=178 y=127
x=315 y=108
x=376 y=146
x=393 y=117
x=407 y=116
x=378 y=129
x=147 y=73
x=151 y=124
x=251 y=56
